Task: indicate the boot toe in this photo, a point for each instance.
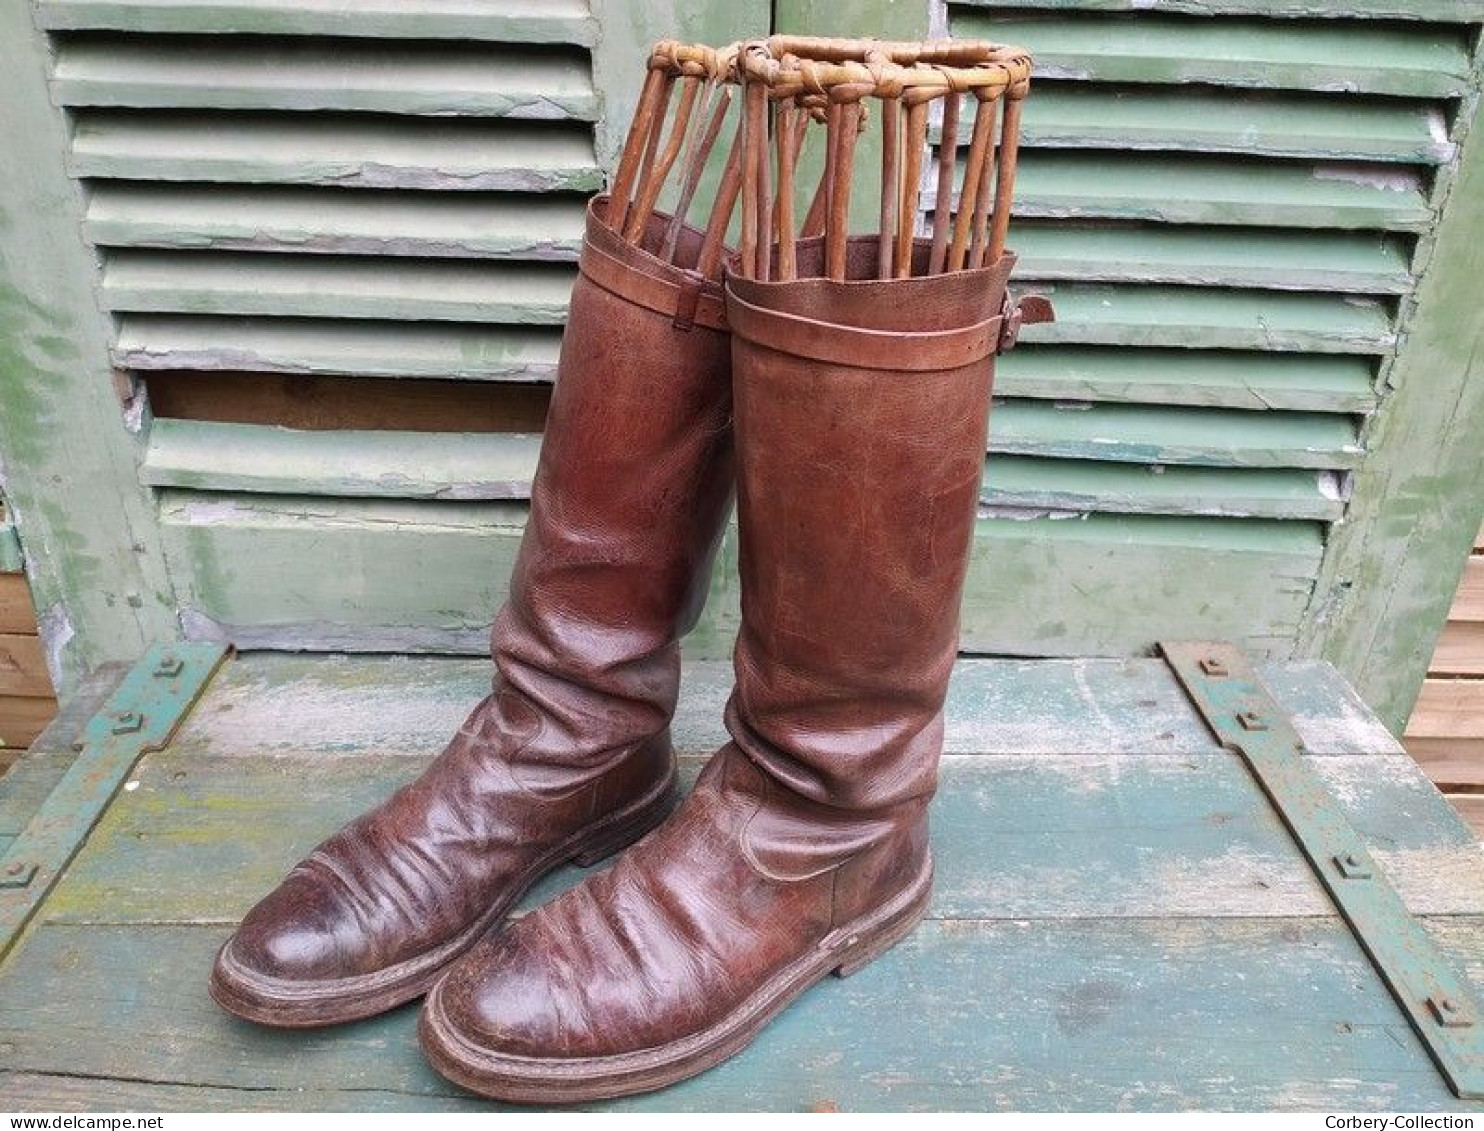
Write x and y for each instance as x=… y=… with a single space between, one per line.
x=290 y=936
x=501 y=1000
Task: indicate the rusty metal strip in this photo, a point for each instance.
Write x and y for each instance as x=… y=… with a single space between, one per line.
x=141 y=715
x=1437 y=1000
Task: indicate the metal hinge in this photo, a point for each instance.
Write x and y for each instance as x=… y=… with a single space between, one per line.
x=1438 y=1002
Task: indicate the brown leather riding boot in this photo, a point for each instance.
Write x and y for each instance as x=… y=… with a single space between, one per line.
x=569 y=758
x=861 y=412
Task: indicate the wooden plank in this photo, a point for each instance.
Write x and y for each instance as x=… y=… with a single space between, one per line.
x=1392 y=566
x=412 y=77
x=327 y=149
x=216 y=456
x=16 y=611
x=1459 y=11
x=1198 y=378
x=1359 y=262
x=1095 y=1015
x=1460 y=651
x=336 y=287
x=511 y=21
x=282 y=705
x=1468 y=602
x=333 y=403
x=1450 y=761
x=1153 y=47
x=1470 y=807
x=1449 y=708
x=1070 y=837
x=23 y=666
x=23 y=717
x=1209 y=437
x=1214 y=190
x=92 y=548
x=330 y=221
x=1212 y=120
x=1214 y=318
x=467 y=352
x=1109 y=585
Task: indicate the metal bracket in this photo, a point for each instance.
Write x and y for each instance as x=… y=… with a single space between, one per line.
x=141 y=715
x=1438 y=1002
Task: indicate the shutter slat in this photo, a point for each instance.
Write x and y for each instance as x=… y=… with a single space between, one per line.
x=372 y=349
x=333 y=150
x=509 y=21
x=1366 y=263
x=1072 y=485
x=1198 y=378
x=321 y=221
x=1096 y=314
x=198 y=455
x=334 y=287
x=1425 y=61
x=361 y=75
x=1207 y=437
x=1212 y=190
x=1084 y=116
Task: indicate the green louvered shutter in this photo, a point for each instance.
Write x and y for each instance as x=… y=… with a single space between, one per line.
x=1225 y=199
x=336 y=239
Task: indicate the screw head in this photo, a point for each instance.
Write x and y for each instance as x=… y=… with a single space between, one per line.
x=1214 y=666
x=14 y=869
x=169 y=667
x=1251 y=720
x=129 y=722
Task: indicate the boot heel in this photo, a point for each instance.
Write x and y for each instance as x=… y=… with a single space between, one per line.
x=621 y=834
x=872 y=944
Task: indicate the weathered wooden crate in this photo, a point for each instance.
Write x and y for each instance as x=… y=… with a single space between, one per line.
x=1121 y=918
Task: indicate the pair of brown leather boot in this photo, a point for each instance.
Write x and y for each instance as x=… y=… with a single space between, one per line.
x=851 y=417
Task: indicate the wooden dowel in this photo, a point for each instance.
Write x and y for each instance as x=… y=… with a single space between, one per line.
x=752 y=92
x=789 y=138
x=641 y=129
x=718 y=99
x=837 y=224
x=887 y=243
x=764 y=195
x=983 y=114
x=943 y=202
x=721 y=208
x=819 y=206
x=1005 y=178
x=651 y=144
x=986 y=189
x=649 y=189
x=917 y=115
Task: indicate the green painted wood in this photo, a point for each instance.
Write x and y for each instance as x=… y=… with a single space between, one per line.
x=1079 y=837
x=379 y=349
x=1108 y=585
x=1093 y=1015
x=1355 y=262
x=1212 y=437
x=1077 y=486
x=94 y=559
x=336 y=287
x=330 y=221
x=1460 y=11
x=11 y=558
x=1394 y=565
x=1151 y=47
x=208 y=456
x=324 y=149
x=1215 y=318
x=1213 y=190
x=511 y=21
x=352 y=75
x=269 y=705
x=1088 y=116
x=1203 y=378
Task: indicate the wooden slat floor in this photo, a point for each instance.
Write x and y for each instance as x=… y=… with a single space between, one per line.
x=1120 y=921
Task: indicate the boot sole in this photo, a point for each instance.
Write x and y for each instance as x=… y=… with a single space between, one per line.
x=287 y=1004
x=541 y=1080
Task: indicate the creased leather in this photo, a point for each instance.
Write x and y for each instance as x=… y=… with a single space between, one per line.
x=629 y=500
x=858 y=486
